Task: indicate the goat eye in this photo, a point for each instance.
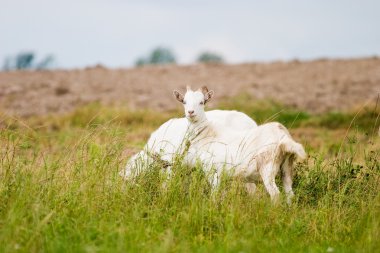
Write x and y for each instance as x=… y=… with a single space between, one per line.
x=201 y=103
x=184 y=102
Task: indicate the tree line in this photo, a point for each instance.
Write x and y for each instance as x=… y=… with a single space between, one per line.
x=159 y=55
x=162 y=55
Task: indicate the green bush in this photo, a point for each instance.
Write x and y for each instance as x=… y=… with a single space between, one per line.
x=159 y=55
x=210 y=57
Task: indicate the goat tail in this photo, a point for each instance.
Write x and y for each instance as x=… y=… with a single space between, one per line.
x=290 y=146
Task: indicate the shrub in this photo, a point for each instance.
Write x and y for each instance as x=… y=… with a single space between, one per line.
x=159 y=55
x=210 y=57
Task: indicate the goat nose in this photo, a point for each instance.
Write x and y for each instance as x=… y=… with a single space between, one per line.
x=190 y=112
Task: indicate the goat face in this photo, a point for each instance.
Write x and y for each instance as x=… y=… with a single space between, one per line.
x=194 y=103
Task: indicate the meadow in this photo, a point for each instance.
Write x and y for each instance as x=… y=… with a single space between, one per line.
x=60 y=190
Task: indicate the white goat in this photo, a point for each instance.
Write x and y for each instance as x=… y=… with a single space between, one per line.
x=169 y=139
x=250 y=154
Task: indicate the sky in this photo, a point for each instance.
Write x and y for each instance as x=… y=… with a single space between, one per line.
x=115 y=33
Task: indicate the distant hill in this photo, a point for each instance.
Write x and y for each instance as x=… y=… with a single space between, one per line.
x=315 y=86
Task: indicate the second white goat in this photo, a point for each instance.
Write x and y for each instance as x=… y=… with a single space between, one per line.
x=258 y=152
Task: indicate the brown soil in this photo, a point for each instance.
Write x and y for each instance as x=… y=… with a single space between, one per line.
x=315 y=86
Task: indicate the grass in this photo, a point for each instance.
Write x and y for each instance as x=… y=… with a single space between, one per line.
x=266 y=110
x=60 y=190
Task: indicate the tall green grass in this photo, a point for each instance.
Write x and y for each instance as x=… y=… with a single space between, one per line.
x=267 y=110
x=60 y=192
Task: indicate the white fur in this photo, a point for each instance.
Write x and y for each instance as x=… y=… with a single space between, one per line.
x=168 y=139
x=258 y=152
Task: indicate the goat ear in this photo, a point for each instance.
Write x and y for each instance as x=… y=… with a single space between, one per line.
x=204 y=90
x=178 y=96
x=208 y=96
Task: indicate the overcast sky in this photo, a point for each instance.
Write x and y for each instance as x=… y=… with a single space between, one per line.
x=116 y=32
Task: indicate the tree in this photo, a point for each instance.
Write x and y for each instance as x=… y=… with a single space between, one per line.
x=159 y=55
x=46 y=62
x=210 y=57
x=7 y=64
x=141 y=62
x=26 y=60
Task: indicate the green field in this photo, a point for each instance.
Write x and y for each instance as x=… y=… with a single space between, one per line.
x=60 y=190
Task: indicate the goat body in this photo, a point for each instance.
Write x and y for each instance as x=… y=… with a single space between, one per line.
x=169 y=139
x=256 y=153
